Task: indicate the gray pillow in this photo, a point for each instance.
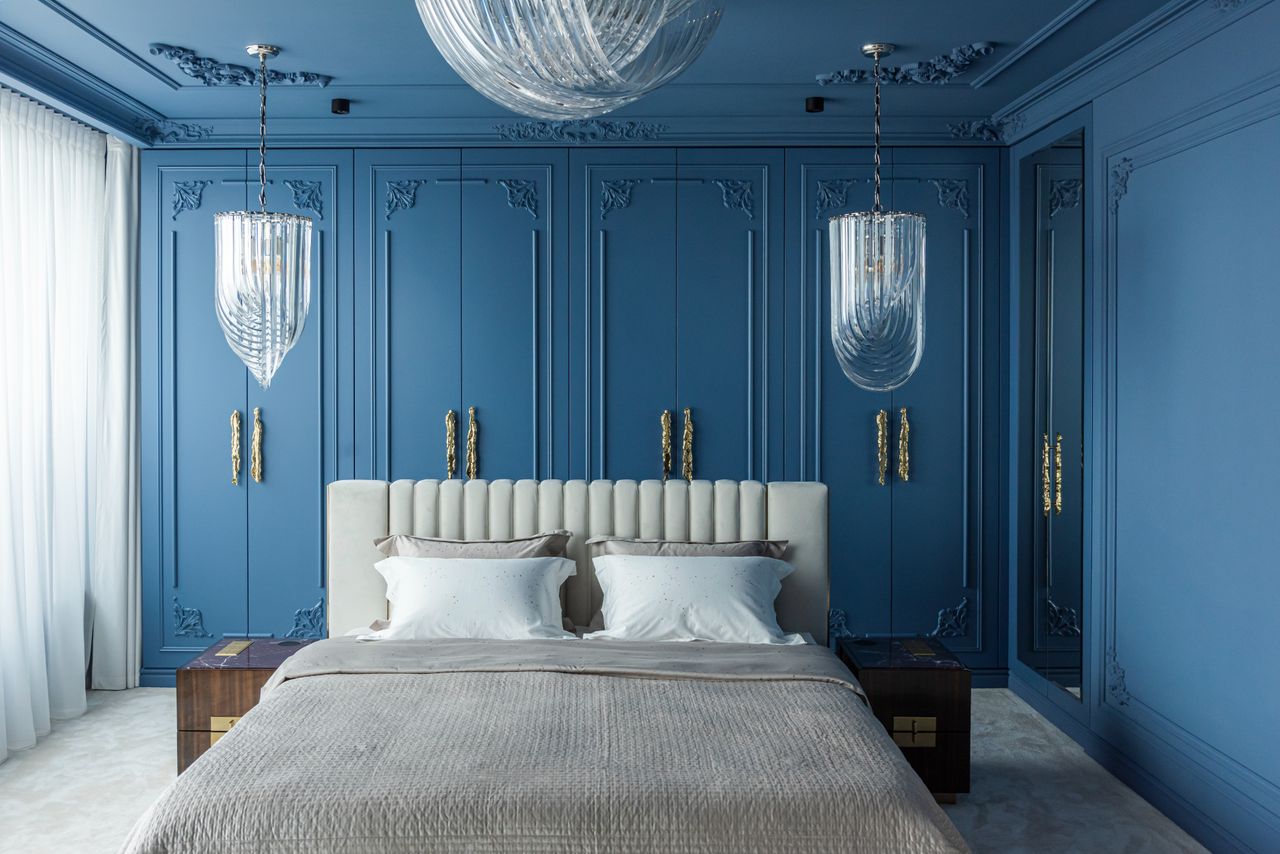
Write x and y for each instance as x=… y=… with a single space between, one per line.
x=546 y=544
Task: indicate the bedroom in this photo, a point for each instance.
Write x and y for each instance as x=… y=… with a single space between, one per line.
x=716 y=508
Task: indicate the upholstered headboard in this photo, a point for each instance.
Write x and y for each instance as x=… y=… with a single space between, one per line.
x=701 y=511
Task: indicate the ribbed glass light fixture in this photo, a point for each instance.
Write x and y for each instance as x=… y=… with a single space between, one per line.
x=877 y=283
x=569 y=59
x=262 y=283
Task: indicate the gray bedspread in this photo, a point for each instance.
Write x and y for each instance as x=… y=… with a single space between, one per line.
x=540 y=746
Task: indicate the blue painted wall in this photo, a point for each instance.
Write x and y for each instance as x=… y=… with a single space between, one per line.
x=570 y=296
x=1182 y=564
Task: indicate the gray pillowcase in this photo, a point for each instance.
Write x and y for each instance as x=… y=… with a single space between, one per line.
x=546 y=544
x=601 y=546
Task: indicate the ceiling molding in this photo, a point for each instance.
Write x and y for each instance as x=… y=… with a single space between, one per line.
x=938 y=71
x=1033 y=41
x=579 y=131
x=106 y=41
x=987 y=129
x=211 y=72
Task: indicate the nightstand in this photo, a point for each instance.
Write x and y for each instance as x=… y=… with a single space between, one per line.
x=219 y=685
x=920 y=692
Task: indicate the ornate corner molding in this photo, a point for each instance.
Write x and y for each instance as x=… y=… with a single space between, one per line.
x=579 y=131
x=939 y=70
x=737 y=195
x=987 y=130
x=1064 y=194
x=401 y=195
x=838 y=625
x=307 y=195
x=833 y=193
x=952 y=622
x=187 y=195
x=952 y=193
x=615 y=195
x=210 y=72
x=521 y=194
x=1063 y=622
x=167 y=132
x=308 y=622
x=188 y=622
x=1119 y=182
x=1116 y=689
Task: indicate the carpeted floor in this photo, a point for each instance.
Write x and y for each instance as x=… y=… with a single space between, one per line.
x=81 y=788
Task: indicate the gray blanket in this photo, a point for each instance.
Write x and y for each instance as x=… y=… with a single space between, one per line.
x=533 y=746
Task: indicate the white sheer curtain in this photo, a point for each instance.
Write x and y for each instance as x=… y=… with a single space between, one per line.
x=68 y=487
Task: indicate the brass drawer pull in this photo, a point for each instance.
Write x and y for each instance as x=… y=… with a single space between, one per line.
x=904 y=446
x=915 y=739
x=222 y=723
x=255 y=456
x=915 y=730
x=687 y=446
x=882 y=444
x=235 y=447
x=1057 y=475
x=450 y=444
x=1044 y=476
x=473 y=455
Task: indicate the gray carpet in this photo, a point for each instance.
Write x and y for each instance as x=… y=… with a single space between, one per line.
x=80 y=789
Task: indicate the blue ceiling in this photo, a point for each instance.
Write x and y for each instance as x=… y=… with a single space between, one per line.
x=93 y=58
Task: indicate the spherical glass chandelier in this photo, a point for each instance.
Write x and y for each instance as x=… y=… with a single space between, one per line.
x=569 y=59
x=877 y=283
x=262 y=267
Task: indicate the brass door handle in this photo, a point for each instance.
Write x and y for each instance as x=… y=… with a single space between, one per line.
x=1044 y=475
x=882 y=444
x=473 y=456
x=904 y=446
x=450 y=444
x=686 y=446
x=1057 y=475
x=235 y=447
x=666 y=444
x=255 y=452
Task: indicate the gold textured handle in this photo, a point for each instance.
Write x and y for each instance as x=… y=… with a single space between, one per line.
x=473 y=457
x=882 y=443
x=1044 y=475
x=904 y=446
x=255 y=457
x=235 y=447
x=450 y=444
x=666 y=444
x=687 y=446
x=1057 y=475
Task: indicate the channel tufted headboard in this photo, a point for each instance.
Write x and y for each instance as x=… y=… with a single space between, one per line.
x=701 y=511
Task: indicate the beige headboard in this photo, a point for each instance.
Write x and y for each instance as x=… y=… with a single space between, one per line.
x=701 y=511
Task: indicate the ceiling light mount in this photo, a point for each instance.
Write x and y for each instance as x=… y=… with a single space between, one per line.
x=269 y=51
x=874 y=50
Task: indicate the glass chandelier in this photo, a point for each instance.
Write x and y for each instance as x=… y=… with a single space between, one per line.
x=877 y=283
x=262 y=283
x=569 y=59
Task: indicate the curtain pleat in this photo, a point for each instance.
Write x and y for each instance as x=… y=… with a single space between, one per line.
x=68 y=564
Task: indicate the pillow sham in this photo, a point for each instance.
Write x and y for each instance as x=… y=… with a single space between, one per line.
x=670 y=598
x=502 y=599
x=545 y=544
x=601 y=546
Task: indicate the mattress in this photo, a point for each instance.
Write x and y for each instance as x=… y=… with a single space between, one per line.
x=556 y=745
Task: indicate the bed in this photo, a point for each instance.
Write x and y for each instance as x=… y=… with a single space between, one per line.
x=556 y=745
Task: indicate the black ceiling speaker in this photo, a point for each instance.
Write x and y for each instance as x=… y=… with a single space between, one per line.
x=815 y=104
x=340 y=106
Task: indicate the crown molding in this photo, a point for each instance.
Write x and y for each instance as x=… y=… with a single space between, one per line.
x=1030 y=43
x=111 y=44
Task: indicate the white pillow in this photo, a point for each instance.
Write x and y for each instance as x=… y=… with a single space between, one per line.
x=727 y=599
x=498 y=598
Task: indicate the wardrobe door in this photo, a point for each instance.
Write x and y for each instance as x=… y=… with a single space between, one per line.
x=624 y=300
x=193 y=514
x=838 y=444
x=939 y=560
x=298 y=413
x=411 y=204
x=728 y=302
x=514 y=274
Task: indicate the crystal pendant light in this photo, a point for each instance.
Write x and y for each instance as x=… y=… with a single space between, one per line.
x=877 y=283
x=262 y=282
x=569 y=59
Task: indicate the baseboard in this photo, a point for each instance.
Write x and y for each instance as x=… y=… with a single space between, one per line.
x=157 y=677
x=989 y=677
x=1181 y=811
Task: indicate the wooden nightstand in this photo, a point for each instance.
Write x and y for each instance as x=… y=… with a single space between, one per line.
x=219 y=685
x=920 y=692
